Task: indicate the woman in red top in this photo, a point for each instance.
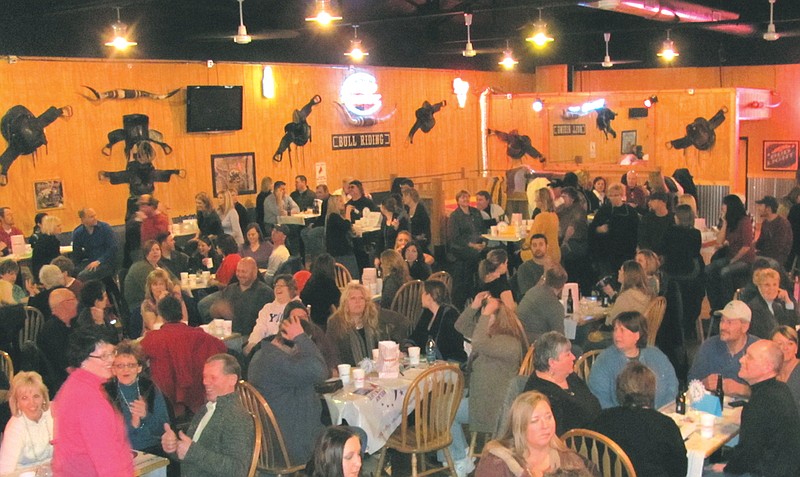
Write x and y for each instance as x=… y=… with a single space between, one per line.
x=229 y=250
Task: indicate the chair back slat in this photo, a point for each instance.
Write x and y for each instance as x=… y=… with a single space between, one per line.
x=256 y=446
x=273 y=457
x=435 y=395
x=34 y=320
x=601 y=450
x=583 y=366
x=408 y=302
x=343 y=276
x=654 y=314
x=7 y=365
x=445 y=278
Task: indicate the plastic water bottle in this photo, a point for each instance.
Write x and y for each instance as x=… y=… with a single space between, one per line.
x=430 y=350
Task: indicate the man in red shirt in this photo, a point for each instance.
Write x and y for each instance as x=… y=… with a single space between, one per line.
x=154 y=222
x=7 y=230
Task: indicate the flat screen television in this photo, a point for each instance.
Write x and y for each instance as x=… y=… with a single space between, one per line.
x=213 y=108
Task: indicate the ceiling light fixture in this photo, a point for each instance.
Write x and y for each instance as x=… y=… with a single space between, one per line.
x=508 y=62
x=540 y=37
x=649 y=102
x=461 y=88
x=324 y=13
x=357 y=52
x=668 y=51
x=120 y=40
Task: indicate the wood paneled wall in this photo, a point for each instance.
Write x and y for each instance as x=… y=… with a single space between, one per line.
x=73 y=152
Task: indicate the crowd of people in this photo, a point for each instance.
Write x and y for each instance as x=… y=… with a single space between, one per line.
x=127 y=366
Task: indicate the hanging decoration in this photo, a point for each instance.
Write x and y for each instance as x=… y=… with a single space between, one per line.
x=25 y=133
x=425 y=121
x=604 y=118
x=297 y=132
x=700 y=132
x=125 y=94
x=518 y=145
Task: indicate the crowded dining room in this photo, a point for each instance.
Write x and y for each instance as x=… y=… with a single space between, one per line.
x=352 y=238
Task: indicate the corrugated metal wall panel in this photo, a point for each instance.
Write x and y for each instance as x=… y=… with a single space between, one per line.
x=709 y=201
x=758 y=187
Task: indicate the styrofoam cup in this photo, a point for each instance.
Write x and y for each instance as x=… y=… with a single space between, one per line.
x=413 y=355
x=344 y=373
x=358 y=377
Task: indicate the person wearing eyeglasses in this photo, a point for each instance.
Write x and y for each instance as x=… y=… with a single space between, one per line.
x=138 y=398
x=90 y=438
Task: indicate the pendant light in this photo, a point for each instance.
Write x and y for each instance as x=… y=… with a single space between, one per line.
x=324 y=13
x=508 y=62
x=120 y=40
x=357 y=52
x=668 y=52
x=540 y=37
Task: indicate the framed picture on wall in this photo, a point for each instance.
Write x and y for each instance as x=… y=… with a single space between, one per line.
x=780 y=155
x=234 y=171
x=48 y=194
x=628 y=142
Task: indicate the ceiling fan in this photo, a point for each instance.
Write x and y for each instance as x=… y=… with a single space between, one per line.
x=469 y=50
x=242 y=37
x=607 y=62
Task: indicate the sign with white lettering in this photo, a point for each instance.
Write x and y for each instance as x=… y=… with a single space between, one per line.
x=360 y=140
x=569 y=129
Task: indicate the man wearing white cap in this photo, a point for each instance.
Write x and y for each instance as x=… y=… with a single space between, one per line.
x=719 y=355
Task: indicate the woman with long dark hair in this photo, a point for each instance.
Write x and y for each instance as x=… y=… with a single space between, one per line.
x=321 y=292
x=731 y=263
x=337 y=454
x=415 y=259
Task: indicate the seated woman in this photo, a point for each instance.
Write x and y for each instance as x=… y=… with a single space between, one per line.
x=493 y=273
x=135 y=281
x=321 y=292
x=394 y=220
x=574 y=406
x=208 y=222
x=772 y=306
x=634 y=295
x=47 y=247
x=229 y=217
x=651 y=439
x=786 y=337
x=157 y=287
x=404 y=238
x=96 y=313
x=10 y=292
x=395 y=275
x=630 y=343
x=138 y=399
x=336 y=454
x=438 y=321
x=255 y=246
x=650 y=264
x=357 y=325
x=269 y=317
x=205 y=258
x=529 y=446
x=229 y=251
x=415 y=259
x=27 y=441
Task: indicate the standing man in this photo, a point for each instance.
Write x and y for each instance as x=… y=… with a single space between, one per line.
x=358 y=200
x=613 y=232
x=775 y=239
x=7 y=230
x=220 y=438
x=302 y=195
x=153 y=220
x=636 y=195
x=655 y=223
x=720 y=355
x=53 y=338
x=94 y=247
x=769 y=436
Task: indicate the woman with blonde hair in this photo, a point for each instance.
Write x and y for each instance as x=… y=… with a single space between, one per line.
x=229 y=218
x=688 y=199
x=395 y=275
x=529 y=447
x=47 y=247
x=357 y=326
x=498 y=345
x=208 y=222
x=650 y=265
x=545 y=223
x=29 y=432
x=159 y=285
x=786 y=338
x=338 y=234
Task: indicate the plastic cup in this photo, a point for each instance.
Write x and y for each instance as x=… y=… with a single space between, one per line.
x=192 y=279
x=344 y=373
x=707 y=425
x=184 y=277
x=413 y=355
x=358 y=377
x=206 y=276
x=376 y=353
x=227 y=327
x=494 y=232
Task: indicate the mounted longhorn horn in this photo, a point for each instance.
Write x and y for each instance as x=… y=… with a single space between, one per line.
x=360 y=121
x=125 y=94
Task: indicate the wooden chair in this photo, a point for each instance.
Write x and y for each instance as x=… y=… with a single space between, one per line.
x=343 y=276
x=609 y=457
x=6 y=365
x=408 y=302
x=34 y=320
x=526 y=368
x=583 y=366
x=445 y=278
x=654 y=314
x=434 y=396
x=256 y=446
x=273 y=457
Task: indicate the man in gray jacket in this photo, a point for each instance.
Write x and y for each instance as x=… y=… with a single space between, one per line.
x=540 y=309
x=220 y=439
